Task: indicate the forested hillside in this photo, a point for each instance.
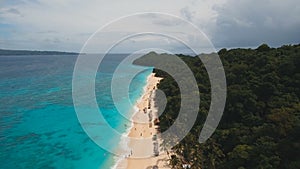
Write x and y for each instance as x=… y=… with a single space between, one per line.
x=260 y=126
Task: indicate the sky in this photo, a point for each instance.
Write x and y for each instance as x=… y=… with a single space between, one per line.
x=67 y=25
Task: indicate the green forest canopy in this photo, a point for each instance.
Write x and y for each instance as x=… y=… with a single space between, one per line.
x=260 y=126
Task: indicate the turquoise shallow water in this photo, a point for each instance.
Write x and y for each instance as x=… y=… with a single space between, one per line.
x=38 y=124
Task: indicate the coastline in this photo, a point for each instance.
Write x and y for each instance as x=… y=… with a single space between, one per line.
x=143 y=127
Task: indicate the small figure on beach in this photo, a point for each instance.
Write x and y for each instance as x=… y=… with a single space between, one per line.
x=156 y=121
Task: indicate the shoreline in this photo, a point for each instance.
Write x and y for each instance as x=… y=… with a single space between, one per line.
x=143 y=127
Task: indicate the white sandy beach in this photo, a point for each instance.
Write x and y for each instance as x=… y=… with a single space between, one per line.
x=143 y=127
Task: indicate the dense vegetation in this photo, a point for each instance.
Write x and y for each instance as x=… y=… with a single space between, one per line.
x=260 y=126
x=30 y=52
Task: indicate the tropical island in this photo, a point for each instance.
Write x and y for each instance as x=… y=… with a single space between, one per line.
x=260 y=127
x=6 y=52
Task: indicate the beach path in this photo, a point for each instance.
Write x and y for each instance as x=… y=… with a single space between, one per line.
x=141 y=155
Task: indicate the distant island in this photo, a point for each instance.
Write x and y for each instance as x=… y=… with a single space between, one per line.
x=33 y=52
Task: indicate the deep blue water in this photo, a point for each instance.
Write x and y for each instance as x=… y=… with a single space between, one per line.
x=38 y=124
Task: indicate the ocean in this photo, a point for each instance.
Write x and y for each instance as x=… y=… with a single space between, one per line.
x=38 y=124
